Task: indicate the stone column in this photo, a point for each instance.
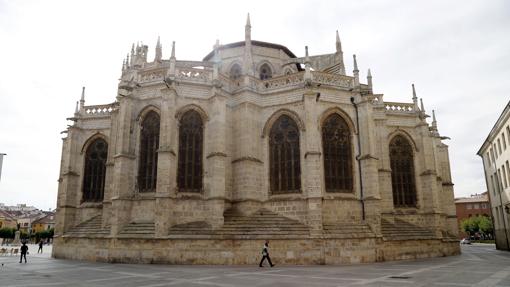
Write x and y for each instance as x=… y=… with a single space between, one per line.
x=216 y=159
x=313 y=169
x=110 y=167
x=124 y=174
x=166 y=179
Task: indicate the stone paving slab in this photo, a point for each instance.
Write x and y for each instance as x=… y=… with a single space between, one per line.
x=479 y=265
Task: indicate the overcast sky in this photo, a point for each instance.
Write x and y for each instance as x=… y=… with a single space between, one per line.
x=456 y=52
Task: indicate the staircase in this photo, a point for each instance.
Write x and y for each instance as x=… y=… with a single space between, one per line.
x=402 y=230
x=260 y=225
x=138 y=230
x=348 y=230
x=89 y=228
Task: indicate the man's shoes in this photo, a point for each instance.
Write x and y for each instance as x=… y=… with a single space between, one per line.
x=272 y=265
x=259 y=265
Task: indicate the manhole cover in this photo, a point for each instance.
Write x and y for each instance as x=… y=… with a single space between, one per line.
x=400 y=277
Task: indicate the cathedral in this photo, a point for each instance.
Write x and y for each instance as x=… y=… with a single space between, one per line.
x=200 y=162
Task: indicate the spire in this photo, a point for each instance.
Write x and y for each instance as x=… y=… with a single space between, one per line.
x=82 y=100
x=338 y=43
x=433 y=128
x=173 y=50
x=132 y=54
x=216 y=51
x=308 y=74
x=247 y=29
x=369 y=80
x=355 y=72
x=159 y=52
x=127 y=61
x=415 y=99
x=76 y=108
x=421 y=106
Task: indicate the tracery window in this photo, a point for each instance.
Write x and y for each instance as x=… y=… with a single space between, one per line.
x=402 y=172
x=189 y=173
x=149 y=144
x=336 y=146
x=95 y=171
x=265 y=72
x=285 y=169
x=235 y=72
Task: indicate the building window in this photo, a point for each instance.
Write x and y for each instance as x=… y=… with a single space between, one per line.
x=504 y=176
x=499 y=146
x=402 y=172
x=488 y=159
x=492 y=154
x=500 y=184
x=235 y=72
x=149 y=144
x=508 y=133
x=336 y=147
x=469 y=206
x=504 y=141
x=95 y=171
x=265 y=72
x=191 y=137
x=476 y=206
x=508 y=171
x=284 y=156
x=495 y=150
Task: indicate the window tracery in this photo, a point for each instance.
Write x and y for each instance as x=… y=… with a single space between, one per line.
x=149 y=144
x=336 y=143
x=95 y=171
x=402 y=172
x=189 y=173
x=285 y=169
x=265 y=72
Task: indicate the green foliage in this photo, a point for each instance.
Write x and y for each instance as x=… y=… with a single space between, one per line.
x=476 y=224
x=23 y=235
x=44 y=234
x=7 y=232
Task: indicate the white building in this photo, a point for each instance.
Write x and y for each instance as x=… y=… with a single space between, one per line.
x=495 y=153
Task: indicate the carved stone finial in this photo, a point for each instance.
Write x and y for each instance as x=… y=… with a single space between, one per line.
x=159 y=52
x=173 y=50
x=369 y=80
x=76 y=108
x=82 y=100
x=355 y=72
x=355 y=64
x=247 y=29
x=421 y=106
x=338 y=43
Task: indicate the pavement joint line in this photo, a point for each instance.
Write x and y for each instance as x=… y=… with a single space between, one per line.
x=494 y=279
x=451 y=284
x=336 y=278
x=108 y=279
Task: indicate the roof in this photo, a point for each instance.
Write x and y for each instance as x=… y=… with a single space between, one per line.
x=472 y=199
x=506 y=111
x=50 y=218
x=6 y=215
x=255 y=43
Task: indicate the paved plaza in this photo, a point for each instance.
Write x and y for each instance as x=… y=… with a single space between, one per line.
x=479 y=265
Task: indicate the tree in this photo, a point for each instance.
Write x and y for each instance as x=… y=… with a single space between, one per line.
x=7 y=232
x=477 y=224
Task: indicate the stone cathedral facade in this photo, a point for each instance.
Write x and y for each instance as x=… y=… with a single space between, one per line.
x=199 y=162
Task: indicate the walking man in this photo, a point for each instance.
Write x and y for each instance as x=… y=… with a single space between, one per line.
x=40 y=246
x=265 y=254
x=24 y=251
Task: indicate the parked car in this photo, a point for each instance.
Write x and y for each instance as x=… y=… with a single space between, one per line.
x=465 y=241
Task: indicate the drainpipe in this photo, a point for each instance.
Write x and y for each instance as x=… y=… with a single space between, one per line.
x=359 y=162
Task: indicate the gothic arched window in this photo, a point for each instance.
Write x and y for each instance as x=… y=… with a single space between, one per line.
x=402 y=172
x=284 y=156
x=265 y=72
x=336 y=146
x=149 y=144
x=235 y=72
x=95 y=171
x=191 y=134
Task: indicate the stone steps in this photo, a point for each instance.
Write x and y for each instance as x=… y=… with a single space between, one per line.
x=402 y=230
x=348 y=230
x=261 y=223
x=92 y=227
x=138 y=229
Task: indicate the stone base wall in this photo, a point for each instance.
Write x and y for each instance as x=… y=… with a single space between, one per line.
x=501 y=242
x=239 y=251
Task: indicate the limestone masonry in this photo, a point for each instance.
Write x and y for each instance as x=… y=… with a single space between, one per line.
x=199 y=162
